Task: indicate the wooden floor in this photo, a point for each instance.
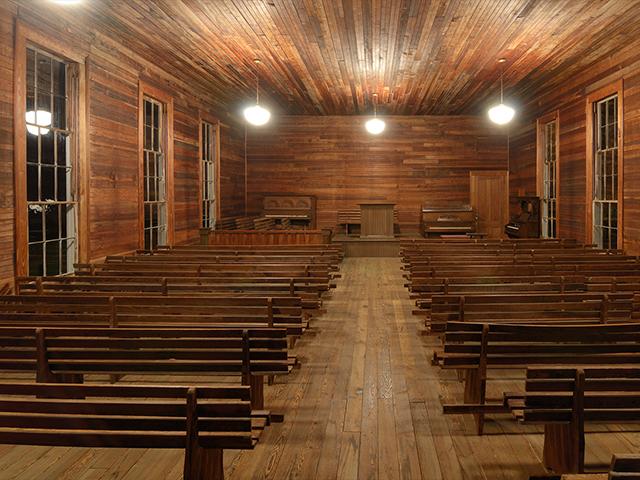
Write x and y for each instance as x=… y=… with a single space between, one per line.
x=365 y=404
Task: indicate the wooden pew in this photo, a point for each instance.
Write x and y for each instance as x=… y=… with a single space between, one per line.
x=169 y=286
x=66 y=355
x=153 y=312
x=204 y=421
x=564 y=308
x=565 y=399
x=474 y=348
x=623 y=467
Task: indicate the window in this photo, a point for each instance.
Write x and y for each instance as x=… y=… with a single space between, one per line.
x=549 y=180
x=50 y=168
x=208 y=158
x=155 y=191
x=605 y=172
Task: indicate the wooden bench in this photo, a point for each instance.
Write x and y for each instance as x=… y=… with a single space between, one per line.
x=476 y=347
x=623 y=467
x=263 y=223
x=170 y=286
x=560 y=308
x=151 y=311
x=203 y=421
x=66 y=355
x=226 y=223
x=564 y=399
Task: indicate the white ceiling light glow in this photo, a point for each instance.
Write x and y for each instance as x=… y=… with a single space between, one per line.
x=375 y=126
x=37 y=120
x=501 y=114
x=257 y=115
x=66 y=2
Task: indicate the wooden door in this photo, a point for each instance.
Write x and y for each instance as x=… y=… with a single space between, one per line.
x=489 y=194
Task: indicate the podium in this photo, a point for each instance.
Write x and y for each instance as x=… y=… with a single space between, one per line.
x=376 y=220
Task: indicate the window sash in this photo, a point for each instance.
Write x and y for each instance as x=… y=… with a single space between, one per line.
x=208 y=173
x=549 y=180
x=50 y=168
x=155 y=175
x=605 y=173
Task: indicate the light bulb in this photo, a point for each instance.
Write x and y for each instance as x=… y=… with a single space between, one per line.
x=256 y=115
x=375 y=126
x=41 y=118
x=501 y=114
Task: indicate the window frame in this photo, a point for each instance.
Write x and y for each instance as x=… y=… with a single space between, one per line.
x=541 y=124
x=215 y=123
x=145 y=89
x=26 y=37
x=615 y=88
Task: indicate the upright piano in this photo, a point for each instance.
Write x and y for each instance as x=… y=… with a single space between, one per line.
x=451 y=220
x=525 y=218
x=299 y=210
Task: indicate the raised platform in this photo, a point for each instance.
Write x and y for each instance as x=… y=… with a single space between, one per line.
x=370 y=247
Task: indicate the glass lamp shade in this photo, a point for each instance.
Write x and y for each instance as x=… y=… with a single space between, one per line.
x=375 y=126
x=257 y=115
x=501 y=114
x=41 y=118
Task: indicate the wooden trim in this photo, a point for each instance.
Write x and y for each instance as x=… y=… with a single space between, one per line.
x=540 y=123
x=616 y=87
x=206 y=117
x=25 y=35
x=148 y=90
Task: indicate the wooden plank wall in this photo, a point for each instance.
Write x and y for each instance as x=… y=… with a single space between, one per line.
x=7 y=12
x=113 y=72
x=569 y=98
x=416 y=160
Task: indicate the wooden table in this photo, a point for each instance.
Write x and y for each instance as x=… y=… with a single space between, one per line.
x=376 y=220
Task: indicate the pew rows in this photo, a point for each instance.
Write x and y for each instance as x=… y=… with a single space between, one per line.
x=204 y=421
x=282 y=270
x=150 y=311
x=227 y=259
x=120 y=286
x=566 y=398
x=565 y=308
x=475 y=348
x=66 y=355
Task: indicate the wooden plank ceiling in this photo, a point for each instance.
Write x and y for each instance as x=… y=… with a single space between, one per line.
x=328 y=56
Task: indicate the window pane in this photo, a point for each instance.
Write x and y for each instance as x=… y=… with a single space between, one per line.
x=32 y=183
x=36 y=266
x=60 y=112
x=52 y=222
x=44 y=74
x=52 y=252
x=62 y=150
x=47 y=150
x=47 y=183
x=59 y=78
x=35 y=224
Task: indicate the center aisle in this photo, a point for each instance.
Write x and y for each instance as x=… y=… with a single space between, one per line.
x=366 y=401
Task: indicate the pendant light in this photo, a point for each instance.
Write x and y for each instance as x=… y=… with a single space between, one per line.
x=501 y=114
x=257 y=115
x=375 y=126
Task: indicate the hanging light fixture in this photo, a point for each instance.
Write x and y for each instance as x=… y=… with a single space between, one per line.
x=257 y=115
x=375 y=126
x=501 y=114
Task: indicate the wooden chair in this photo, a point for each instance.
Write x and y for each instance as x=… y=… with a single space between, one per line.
x=204 y=421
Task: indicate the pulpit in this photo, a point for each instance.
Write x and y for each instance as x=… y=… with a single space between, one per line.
x=376 y=220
